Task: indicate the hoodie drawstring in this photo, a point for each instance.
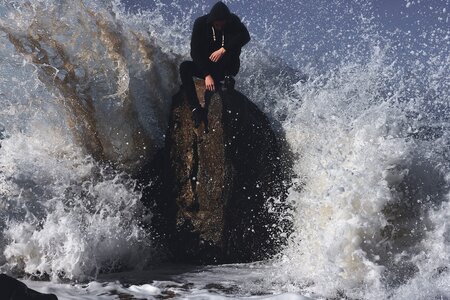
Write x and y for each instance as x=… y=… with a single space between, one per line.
x=214 y=36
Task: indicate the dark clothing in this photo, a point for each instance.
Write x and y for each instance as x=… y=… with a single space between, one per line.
x=219 y=12
x=205 y=40
x=234 y=36
x=188 y=69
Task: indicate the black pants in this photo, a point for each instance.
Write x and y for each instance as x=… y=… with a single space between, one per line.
x=188 y=70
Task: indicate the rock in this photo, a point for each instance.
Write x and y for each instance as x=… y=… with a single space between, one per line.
x=213 y=199
x=12 y=289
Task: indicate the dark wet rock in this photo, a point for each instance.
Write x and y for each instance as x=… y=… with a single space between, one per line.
x=12 y=289
x=219 y=193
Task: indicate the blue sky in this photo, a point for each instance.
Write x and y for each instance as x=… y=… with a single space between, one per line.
x=294 y=29
x=403 y=14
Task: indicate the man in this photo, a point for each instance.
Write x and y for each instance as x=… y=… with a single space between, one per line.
x=216 y=42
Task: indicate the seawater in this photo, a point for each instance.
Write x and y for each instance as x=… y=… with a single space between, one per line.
x=85 y=89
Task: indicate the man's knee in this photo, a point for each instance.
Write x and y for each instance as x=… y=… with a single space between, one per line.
x=233 y=70
x=186 y=69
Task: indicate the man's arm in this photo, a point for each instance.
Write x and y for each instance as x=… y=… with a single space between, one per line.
x=198 y=48
x=240 y=35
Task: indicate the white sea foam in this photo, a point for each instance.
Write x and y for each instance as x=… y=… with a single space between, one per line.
x=79 y=91
x=369 y=132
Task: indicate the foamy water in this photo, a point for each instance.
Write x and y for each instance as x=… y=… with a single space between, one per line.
x=85 y=90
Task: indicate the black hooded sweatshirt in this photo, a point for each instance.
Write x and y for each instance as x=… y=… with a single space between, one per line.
x=205 y=40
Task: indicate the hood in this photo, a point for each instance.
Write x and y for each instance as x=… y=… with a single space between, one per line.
x=219 y=12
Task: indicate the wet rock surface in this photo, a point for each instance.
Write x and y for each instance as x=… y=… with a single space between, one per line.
x=220 y=188
x=13 y=289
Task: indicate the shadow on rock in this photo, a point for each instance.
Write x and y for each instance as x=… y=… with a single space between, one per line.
x=219 y=197
x=13 y=289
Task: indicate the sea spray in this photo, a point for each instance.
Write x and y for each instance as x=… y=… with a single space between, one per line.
x=373 y=169
x=115 y=83
x=84 y=102
x=368 y=128
x=67 y=216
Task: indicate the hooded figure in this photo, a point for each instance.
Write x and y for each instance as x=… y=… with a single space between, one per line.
x=218 y=12
x=216 y=42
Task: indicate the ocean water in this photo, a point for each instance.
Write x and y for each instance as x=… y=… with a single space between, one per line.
x=364 y=108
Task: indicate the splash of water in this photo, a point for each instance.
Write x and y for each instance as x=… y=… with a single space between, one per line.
x=371 y=136
x=369 y=131
x=80 y=91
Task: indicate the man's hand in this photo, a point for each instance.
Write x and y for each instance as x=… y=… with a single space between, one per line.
x=209 y=82
x=217 y=55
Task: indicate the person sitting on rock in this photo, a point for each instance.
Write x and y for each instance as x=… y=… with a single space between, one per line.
x=216 y=42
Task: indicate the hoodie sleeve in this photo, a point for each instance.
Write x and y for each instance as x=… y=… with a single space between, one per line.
x=239 y=35
x=198 y=48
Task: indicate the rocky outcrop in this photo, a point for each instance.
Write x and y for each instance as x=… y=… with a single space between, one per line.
x=216 y=199
x=13 y=289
